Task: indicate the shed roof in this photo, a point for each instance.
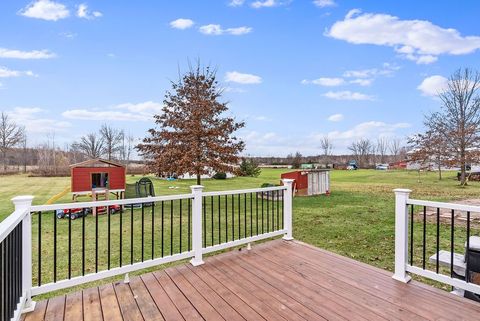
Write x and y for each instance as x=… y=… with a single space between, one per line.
x=97 y=162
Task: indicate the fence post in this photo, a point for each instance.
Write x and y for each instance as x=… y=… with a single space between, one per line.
x=401 y=234
x=23 y=203
x=287 y=208
x=197 y=225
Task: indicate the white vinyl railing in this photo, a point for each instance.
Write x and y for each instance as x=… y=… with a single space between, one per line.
x=58 y=254
x=432 y=232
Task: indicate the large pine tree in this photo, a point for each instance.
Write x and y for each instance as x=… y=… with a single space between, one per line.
x=193 y=135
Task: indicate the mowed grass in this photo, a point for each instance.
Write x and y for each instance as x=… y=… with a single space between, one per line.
x=356 y=220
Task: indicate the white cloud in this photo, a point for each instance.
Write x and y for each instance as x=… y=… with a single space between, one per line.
x=324 y=3
x=418 y=40
x=217 y=30
x=362 y=82
x=241 y=78
x=433 y=85
x=269 y=3
x=9 y=73
x=236 y=3
x=68 y=34
x=336 y=117
x=347 y=95
x=370 y=130
x=35 y=121
x=181 y=23
x=122 y=112
x=386 y=70
x=84 y=13
x=46 y=10
x=18 y=54
x=325 y=81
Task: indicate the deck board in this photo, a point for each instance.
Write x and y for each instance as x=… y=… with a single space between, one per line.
x=276 y=280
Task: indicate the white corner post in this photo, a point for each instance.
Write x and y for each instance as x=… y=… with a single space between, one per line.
x=287 y=208
x=23 y=203
x=197 y=225
x=401 y=234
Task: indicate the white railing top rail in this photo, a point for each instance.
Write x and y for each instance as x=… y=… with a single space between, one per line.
x=245 y=191
x=451 y=206
x=66 y=206
x=8 y=224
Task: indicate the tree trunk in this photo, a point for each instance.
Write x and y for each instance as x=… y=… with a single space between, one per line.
x=199 y=180
x=439 y=171
x=4 y=159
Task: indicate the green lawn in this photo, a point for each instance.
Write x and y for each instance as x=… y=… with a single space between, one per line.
x=356 y=220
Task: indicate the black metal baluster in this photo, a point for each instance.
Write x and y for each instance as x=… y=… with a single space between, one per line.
x=437 y=265
x=273 y=210
x=278 y=209
x=108 y=237
x=411 y=234
x=239 y=218
x=180 y=246
x=96 y=239
x=226 y=218
x=204 y=223
x=189 y=215
x=163 y=223
x=54 y=247
x=268 y=212
x=211 y=205
x=131 y=234
x=283 y=209
x=83 y=241
x=171 y=227
x=39 y=272
x=256 y=211
x=263 y=223
x=121 y=235
x=245 y=212
x=143 y=231
x=251 y=214
x=467 y=272
x=452 y=245
x=153 y=230
x=69 y=244
x=424 y=236
x=233 y=217
x=219 y=220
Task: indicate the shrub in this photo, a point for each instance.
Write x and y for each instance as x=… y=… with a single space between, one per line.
x=249 y=168
x=220 y=175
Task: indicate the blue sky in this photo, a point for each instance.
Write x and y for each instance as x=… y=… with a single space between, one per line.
x=293 y=70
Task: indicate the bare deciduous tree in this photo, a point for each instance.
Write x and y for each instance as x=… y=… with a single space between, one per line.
x=382 y=148
x=11 y=135
x=395 y=146
x=361 y=150
x=193 y=136
x=326 y=146
x=459 y=118
x=112 y=140
x=91 y=145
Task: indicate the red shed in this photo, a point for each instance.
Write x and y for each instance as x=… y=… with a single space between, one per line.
x=97 y=174
x=310 y=182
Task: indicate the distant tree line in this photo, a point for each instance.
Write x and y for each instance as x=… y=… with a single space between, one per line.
x=51 y=159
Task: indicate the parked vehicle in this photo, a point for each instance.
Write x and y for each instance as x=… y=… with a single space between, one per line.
x=382 y=167
x=352 y=165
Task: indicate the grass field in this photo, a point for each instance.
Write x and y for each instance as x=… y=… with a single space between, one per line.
x=356 y=220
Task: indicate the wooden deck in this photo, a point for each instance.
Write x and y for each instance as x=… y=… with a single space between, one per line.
x=277 y=280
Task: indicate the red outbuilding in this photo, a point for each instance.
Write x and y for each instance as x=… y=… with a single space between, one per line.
x=310 y=182
x=97 y=174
